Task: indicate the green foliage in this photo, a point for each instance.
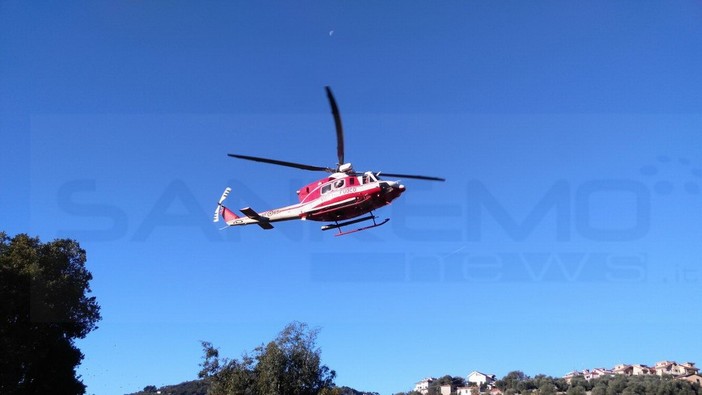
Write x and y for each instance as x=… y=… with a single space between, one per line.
x=580 y=381
x=643 y=385
x=454 y=381
x=200 y=387
x=350 y=391
x=616 y=385
x=196 y=387
x=576 y=390
x=290 y=364
x=518 y=383
x=547 y=390
x=514 y=380
x=599 y=389
x=45 y=307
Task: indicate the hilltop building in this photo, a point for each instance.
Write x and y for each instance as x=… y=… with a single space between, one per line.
x=480 y=379
x=475 y=379
x=633 y=370
x=661 y=368
x=470 y=390
x=467 y=390
x=693 y=378
x=675 y=369
x=589 y=374
x=422 y=386
x=446 y=389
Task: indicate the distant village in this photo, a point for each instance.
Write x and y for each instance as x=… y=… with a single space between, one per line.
x=685 y=370
x=477 y=380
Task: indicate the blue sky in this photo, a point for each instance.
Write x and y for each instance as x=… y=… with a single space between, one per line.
x=566 y=237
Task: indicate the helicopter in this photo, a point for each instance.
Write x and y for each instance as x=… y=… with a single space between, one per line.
x=339 y=199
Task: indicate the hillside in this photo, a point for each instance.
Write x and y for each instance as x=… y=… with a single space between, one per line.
x=199 y=387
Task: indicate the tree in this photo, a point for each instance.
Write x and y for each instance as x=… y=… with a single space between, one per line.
x=617 y=384
x=561 y=384
x=453 y=381
x=581 y=381
x=547 y=389
x=350 y=391
x=512 y=381
x=600 y=389
x=576 y=390
x=45 y=306
x=545 y=384
x=290 y=364
x=634 y=388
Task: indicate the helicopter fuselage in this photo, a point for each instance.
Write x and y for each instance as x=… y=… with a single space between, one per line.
x=335 y=198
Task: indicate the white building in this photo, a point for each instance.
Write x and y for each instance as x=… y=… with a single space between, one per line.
x=479 y=378
x=633 y=370
x=445 y=389
x=423 y=385
x=675 y=369
x=466 y=390
x=661 y=368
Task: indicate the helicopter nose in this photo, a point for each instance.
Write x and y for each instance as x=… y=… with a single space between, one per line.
x=392 y=188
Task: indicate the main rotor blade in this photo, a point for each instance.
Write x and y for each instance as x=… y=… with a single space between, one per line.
x=283 y=163
x=416 y=177
x=339 y=128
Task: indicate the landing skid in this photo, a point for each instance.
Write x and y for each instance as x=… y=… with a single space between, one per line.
x=338 y=225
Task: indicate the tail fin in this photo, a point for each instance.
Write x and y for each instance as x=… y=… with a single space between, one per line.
x=223 y=211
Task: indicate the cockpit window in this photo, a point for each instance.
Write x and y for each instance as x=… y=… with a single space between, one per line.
x=339 y=184
x=369 y=177
x=326 y=188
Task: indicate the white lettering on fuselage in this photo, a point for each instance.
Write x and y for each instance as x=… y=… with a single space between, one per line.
x=271 y=212
x=339 y=192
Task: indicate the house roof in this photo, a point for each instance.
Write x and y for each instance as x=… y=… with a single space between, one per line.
x=481 y=373
x=622 y=367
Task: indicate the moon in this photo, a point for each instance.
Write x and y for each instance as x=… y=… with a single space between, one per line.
x=331 y=32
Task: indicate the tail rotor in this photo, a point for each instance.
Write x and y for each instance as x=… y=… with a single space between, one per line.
x=219 y=208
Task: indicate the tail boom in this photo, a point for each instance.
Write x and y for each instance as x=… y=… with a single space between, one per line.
x=251 y=217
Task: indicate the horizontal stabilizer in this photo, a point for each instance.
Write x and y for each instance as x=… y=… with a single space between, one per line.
x=249 y=212
x=261 y=221
x=265 y=225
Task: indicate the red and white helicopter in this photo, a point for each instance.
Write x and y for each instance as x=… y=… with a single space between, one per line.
x=342 y=196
